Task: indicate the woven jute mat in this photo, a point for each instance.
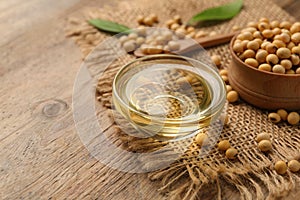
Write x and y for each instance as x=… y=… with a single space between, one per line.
x=252 y=173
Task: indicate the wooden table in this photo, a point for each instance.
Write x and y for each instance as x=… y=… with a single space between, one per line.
x=41 y=154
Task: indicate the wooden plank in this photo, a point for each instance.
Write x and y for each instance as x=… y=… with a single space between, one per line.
x=290 y=6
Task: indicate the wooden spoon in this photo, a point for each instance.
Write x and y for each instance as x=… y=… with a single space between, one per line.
x=186 y=46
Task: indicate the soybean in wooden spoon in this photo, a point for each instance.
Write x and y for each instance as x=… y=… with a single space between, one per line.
x=186 y=46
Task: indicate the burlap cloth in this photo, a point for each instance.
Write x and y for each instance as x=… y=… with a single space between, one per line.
x=191 y=177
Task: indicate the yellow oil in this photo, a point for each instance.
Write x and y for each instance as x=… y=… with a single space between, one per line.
x=166 y=101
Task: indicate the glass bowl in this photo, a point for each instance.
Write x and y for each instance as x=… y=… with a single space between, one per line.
x=168 y=97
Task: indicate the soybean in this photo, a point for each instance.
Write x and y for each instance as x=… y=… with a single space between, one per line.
x=293 y=118
x=294 y=165
x=262 y=136
x=232 y=96
x=231 y=153
x=274 y=117
x=224 y=145
x=280 y=167
x=265 y=145
x=201 y=138
x=283 y=114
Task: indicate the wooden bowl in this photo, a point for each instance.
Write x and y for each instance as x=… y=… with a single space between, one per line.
x=263 y=89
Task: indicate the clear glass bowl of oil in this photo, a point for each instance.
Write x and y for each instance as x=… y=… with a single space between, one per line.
x=168 y=97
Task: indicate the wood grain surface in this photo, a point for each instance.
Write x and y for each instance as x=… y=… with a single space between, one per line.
x=291 y=6
x=41 y=154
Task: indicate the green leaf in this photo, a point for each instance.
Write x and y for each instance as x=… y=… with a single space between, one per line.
x=223 y=12
x=108 y=26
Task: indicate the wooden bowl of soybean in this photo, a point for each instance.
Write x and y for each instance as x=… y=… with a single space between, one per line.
x=263 y=89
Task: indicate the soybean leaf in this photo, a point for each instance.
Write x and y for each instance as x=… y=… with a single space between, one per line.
x=223 y=12
x=108 y=26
